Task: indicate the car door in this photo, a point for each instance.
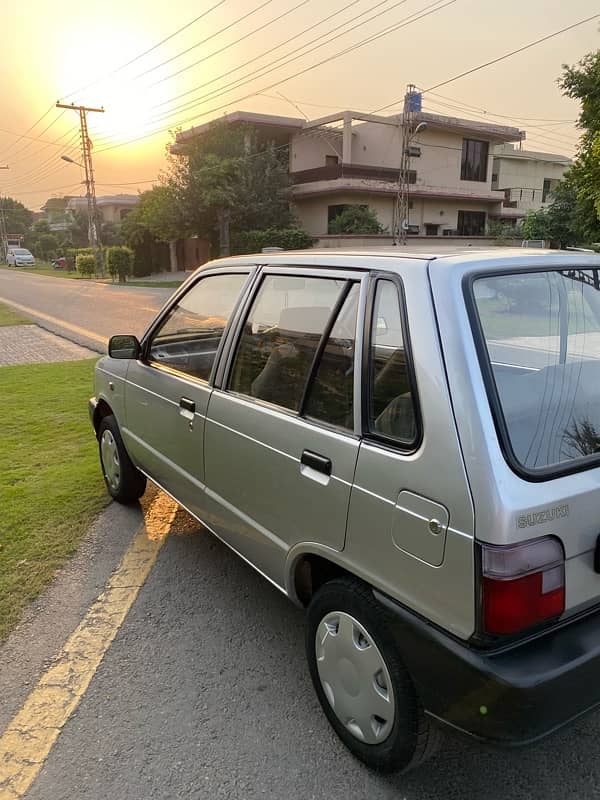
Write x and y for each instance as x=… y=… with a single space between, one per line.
x=280 y=438
x=168 y=388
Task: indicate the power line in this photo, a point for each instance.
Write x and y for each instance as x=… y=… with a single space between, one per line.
x=31 y=127
x=244 y=79
x=241 y=39
x=206 y=39
x=432 y=8
x=149 y=50
x=497 y=60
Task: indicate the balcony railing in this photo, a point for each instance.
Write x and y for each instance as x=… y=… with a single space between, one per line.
x=331 y=173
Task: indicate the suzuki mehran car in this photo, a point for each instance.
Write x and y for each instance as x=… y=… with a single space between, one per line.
x=19 y=257
x=408 y=446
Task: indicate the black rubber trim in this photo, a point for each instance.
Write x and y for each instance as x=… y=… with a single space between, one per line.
x=316 y=461
x=532 y=475
x=510 y=696
x=344 y=292
x=372 y=436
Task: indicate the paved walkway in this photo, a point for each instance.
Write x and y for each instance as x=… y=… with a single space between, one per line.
x=29 y=344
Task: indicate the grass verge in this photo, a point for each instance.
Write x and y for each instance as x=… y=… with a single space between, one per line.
x=51 y=485
x=10 y=317
x=44 y=268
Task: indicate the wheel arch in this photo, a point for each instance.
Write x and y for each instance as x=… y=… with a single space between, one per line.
x=309 y=567
x=102 y=410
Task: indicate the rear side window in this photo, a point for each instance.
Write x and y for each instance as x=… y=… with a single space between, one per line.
x=541 y=337
x=281 y=338
x=391 y=405
x=189 y=337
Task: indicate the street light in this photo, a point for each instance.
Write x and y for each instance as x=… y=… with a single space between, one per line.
x=71 y=161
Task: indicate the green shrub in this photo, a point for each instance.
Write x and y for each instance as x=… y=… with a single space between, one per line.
x=86 y=265
x=355 y=219
x=119 y=261
x=254 y=241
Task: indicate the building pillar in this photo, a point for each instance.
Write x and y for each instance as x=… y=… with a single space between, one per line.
x=347 y=139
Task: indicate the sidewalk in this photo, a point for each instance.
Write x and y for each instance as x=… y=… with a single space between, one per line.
x=29 y=344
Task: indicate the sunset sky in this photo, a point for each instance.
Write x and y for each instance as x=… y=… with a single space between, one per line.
x=76 y=53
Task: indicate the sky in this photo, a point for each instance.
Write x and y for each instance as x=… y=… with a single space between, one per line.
x=232 y=52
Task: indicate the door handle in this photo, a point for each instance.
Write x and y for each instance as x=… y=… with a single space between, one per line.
x=187 y=409
x=316 y=461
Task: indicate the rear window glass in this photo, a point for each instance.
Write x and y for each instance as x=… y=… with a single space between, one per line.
x=542 y=337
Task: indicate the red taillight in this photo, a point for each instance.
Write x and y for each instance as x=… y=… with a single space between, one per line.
x=522 y=585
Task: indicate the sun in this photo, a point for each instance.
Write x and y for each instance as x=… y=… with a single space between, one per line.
x=92 y=73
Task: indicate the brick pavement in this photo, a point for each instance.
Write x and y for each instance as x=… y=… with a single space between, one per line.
x=29 y=344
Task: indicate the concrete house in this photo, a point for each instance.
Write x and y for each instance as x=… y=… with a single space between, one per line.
x=354 y=158
x=112 y=208
x=526 y=178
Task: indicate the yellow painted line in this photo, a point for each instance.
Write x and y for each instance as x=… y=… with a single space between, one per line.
x=29 y=737
x=56 y=321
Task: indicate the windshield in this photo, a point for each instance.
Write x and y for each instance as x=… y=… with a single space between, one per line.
x=542 y=336
x=21 y=252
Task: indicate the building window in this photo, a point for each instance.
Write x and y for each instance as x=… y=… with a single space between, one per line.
x=431 y=230
x=548 y=188
x=331 y=161
x=333 y=212
x=471 y=223
x=473 y=165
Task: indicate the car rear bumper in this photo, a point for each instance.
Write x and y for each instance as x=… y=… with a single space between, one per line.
x=508 y=697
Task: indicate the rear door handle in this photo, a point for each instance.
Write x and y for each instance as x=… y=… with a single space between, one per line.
x=187 y=408
x=316 y=461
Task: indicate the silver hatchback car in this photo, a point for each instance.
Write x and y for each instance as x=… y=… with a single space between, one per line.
x=408 y=446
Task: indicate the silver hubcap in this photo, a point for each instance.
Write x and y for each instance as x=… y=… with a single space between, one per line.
x=354 y=677
x=110 y=460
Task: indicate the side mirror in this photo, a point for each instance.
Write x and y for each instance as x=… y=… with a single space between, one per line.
x=124 y=346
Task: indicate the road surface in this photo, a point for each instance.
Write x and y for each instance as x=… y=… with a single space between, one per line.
x=85 y=306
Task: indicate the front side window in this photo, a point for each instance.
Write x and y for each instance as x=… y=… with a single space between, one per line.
x=281 y=336
x=391 y=402
x=542 y=341
x=189 y=337
x=474 y=161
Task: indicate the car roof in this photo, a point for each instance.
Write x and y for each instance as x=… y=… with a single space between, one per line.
x=450 y=258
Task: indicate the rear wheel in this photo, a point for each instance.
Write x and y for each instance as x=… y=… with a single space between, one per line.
x=125 y=483
x=361 y=681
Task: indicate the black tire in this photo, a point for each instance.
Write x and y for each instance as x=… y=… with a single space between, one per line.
x=412 y=738
x=124 y=482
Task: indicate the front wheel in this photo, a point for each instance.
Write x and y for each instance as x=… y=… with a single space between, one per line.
x=125 y=483
x=361 y=681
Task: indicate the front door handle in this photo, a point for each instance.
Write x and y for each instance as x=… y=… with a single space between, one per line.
x=187 y=408
x=316 y=461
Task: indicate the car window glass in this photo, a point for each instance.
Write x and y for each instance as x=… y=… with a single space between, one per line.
x=281 y=336
x=189 y=337
x=331 y=394
x=391 y=411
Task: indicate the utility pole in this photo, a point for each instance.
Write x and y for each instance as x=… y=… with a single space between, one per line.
x=3 y=230
x=94 y=222
x=412 y=107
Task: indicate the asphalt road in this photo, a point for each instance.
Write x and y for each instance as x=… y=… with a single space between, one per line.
x=204 y=692
x=103 y=309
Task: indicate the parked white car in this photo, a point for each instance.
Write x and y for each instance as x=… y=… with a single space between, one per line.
x=19 y=257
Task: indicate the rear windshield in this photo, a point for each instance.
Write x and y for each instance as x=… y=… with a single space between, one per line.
x=542 y=338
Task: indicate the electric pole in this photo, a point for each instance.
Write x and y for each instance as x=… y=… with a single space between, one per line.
x=94 y=221
x=3 y=230
x=412 y=107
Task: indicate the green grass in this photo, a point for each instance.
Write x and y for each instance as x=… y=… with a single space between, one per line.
x=51 y=485
x=10 y=317
x=44 y=268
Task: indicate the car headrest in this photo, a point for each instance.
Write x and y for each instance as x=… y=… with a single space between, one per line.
x=304 y=319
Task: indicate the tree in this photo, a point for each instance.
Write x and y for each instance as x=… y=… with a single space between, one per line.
x=159 y=213
x=355 y=219
x=559 y=223
x=582 y=82
x=18 y=217
x=79 y=229
x=226 y=179
x=46 y=246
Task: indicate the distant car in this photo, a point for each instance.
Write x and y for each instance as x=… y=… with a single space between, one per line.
x=19 y=257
